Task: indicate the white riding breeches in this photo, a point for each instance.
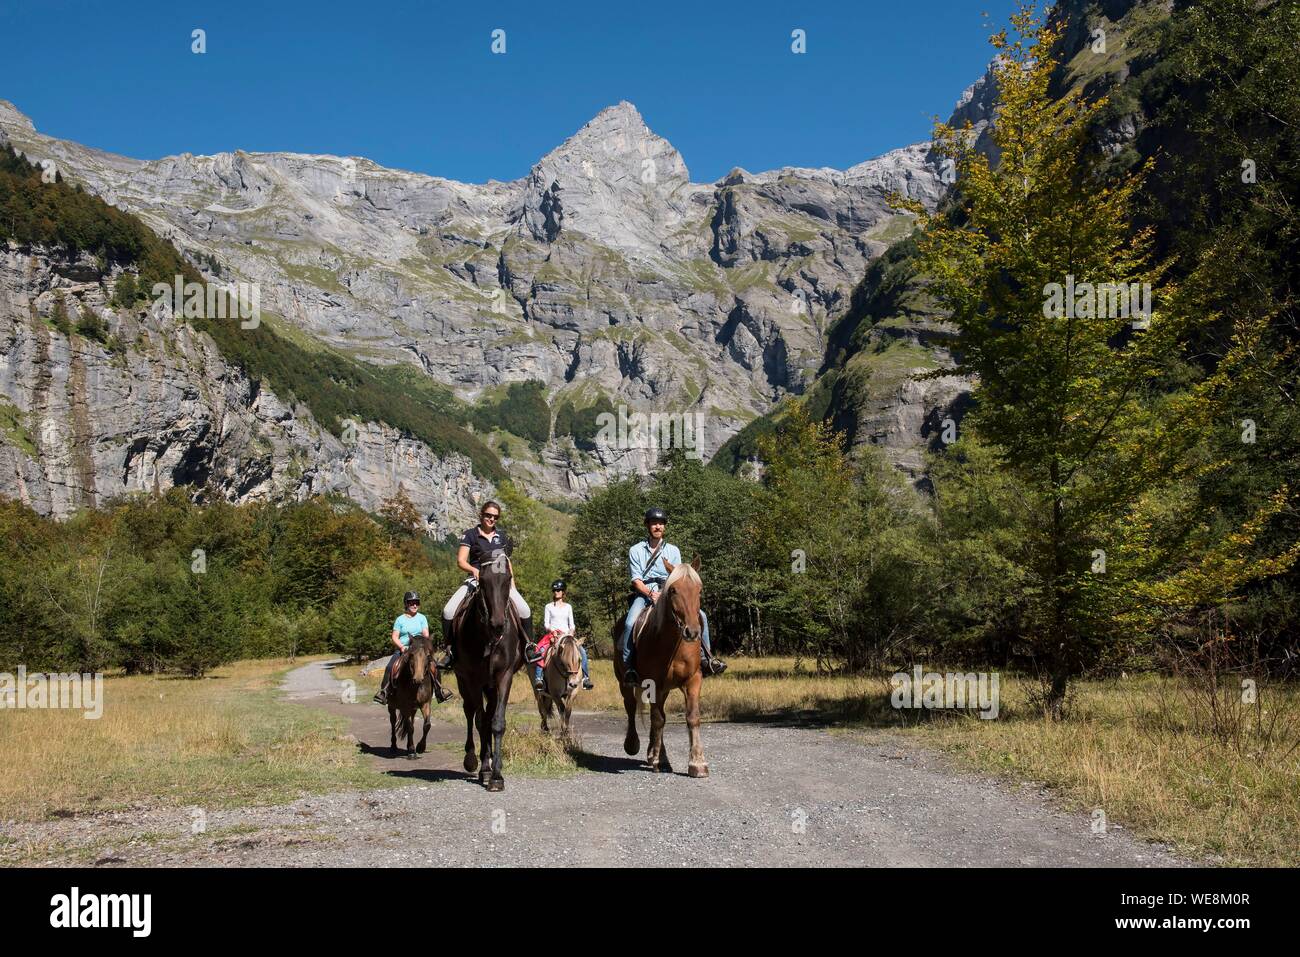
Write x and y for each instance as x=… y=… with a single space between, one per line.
x=516 y=599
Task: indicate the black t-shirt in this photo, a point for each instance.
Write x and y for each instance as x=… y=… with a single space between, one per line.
x=481 y=549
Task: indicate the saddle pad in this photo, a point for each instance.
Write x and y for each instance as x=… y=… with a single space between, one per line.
x=458 y=619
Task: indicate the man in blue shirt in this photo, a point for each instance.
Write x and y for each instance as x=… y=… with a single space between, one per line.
x=645 y=561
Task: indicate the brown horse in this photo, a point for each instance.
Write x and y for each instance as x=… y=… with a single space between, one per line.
x=667 y=657
x=562 y=677
x=412 y=688
x=487 y=635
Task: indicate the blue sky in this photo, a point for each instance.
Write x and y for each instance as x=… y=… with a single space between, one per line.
x=414 y=85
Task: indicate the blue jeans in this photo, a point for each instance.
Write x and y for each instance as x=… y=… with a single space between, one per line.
x=633 y=613
x=537 y=670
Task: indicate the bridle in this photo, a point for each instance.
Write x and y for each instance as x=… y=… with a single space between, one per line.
x=484 y=613
x=555 y=659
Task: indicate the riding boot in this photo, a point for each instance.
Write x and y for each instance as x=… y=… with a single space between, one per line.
x=449 y=660
x=382 y=694
x=439 y=692
x=531 y=654
x=710 y=665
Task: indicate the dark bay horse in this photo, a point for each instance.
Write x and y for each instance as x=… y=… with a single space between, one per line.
x=412 y=688
x=667 y=658
x=487 y=635
x=561 y=678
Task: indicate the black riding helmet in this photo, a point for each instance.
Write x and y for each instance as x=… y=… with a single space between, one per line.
x=558 y=585
x=410 y=596
x=656 y=515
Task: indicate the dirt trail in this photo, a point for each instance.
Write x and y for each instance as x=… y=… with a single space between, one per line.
x=777 y=796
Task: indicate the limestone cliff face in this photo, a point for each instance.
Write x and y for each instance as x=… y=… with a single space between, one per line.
x=155 y=405
x=603 y=272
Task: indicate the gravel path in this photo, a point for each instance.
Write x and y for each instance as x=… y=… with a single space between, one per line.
x=777 y=796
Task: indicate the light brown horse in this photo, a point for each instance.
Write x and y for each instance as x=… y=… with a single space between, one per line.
x=561 y=679
x=667 y=657
x=411 y=689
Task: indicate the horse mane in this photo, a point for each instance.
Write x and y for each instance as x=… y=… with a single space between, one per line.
x=684 y=570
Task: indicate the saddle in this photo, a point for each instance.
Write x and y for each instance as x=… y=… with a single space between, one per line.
x=458 y=620
x=638 y=626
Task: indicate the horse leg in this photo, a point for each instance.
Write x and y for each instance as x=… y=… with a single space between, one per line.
x=484 y=740
x=424 y=738
x=392 y=727
x=467 y=703
x=656 y=734
x=632 y=740
x=697 y=768
x=500 y=700
x=665 y=765
x=408 y=725
x=543 y=709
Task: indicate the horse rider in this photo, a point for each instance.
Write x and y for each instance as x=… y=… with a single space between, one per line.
x=646 y=562
x=408 y=625
x=477 y=547
x=558 y=621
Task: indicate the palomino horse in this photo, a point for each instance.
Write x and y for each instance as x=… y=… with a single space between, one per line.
x=411 y=689
x=562 y=677
x=487 y=635
x=667 y=657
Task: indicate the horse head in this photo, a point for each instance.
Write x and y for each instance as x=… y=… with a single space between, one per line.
x=567 y=659
x=681 y=597
x=494 y=595
x=415 y=662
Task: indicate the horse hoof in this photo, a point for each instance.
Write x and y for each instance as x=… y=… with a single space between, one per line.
x=631 y=745
x=484 y=776
x=471 y=763
x=419 y=748
x=698 y=770
x=410 y=755
x=496 y=784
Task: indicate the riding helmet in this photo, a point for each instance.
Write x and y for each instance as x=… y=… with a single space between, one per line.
x=656 y=515
x=410 y=596
x=557 y=585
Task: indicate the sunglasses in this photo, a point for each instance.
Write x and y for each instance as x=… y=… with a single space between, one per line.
x=412 y=604
x=487 y=515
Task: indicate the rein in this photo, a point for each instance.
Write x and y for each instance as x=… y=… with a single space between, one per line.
x=554 y=660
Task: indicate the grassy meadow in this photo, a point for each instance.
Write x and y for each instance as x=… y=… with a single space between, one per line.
x=1138 y=748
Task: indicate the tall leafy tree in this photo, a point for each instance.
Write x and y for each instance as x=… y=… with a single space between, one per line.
x=1071 y=384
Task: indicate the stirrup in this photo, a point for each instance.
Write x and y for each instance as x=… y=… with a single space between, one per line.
x=714 y=667
x=630 y=677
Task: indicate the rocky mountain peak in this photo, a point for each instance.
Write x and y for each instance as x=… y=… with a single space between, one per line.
x=614 y=181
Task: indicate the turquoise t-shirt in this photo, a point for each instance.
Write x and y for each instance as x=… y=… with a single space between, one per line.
x=409 y=626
